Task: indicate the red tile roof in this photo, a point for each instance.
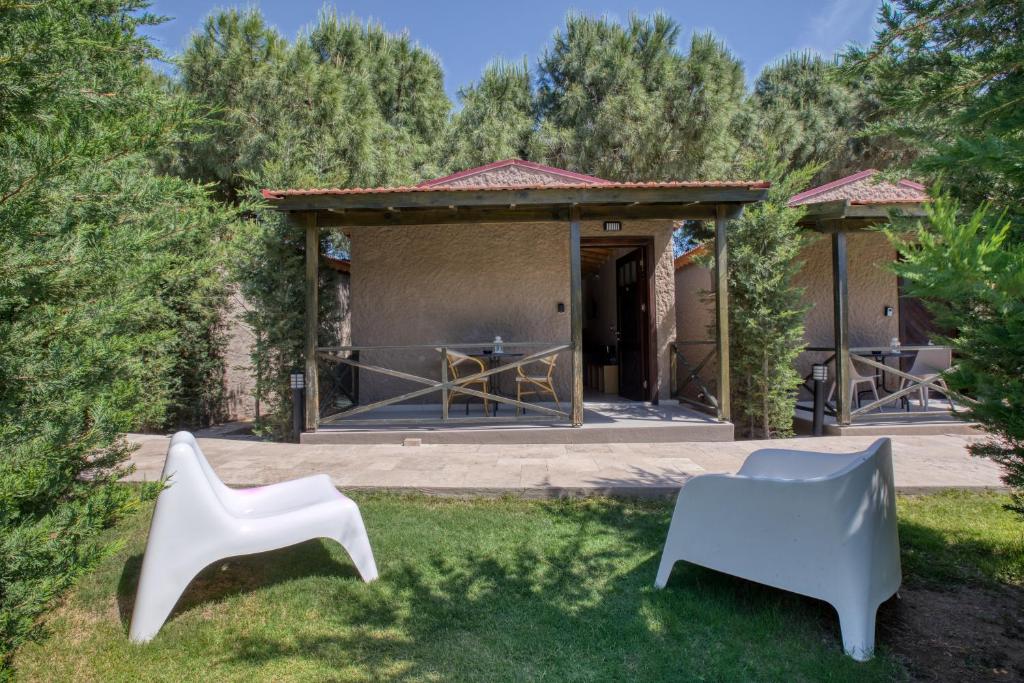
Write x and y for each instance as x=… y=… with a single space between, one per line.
x=610 y=185
x=862 y=188
x=513 y=172
x=687 y=257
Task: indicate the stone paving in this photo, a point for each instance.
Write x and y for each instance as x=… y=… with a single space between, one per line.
x=922 y=463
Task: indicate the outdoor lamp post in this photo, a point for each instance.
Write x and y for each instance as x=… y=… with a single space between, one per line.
x=298 y=383
x=819 y=373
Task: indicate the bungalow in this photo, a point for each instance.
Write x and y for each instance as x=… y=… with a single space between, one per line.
x=855 y=304
x=508 y=288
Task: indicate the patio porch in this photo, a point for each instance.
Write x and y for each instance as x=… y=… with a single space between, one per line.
x=606 y=419
x=444 y=271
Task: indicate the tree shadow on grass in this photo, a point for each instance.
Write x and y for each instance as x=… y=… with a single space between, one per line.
x=580 y=607
x=238 y=575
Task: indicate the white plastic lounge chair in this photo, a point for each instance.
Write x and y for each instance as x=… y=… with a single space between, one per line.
x=818 y=524
x=198 y=520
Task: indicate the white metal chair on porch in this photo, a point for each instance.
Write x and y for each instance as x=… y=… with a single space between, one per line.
x=198 y=520
x=929 y=364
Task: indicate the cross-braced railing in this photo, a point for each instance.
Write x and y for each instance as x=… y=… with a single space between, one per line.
x=688 y=385
x=898 y=398
x=911 y=384
x=444 y=384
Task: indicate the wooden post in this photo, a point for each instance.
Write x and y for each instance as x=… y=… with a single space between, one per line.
x=841 y=309
x=444 y=378
x=576 y=315
x=308 y=221
x=723 y=214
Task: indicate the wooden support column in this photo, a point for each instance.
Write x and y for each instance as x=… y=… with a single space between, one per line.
x=307 y=220
x=841 y=310
x=576 y=315
x=723 y=214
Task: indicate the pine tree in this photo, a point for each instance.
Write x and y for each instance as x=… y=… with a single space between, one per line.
x=497 y=118
x=622 y=103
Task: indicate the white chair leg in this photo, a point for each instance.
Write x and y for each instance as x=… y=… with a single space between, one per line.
x=857 y=625
x=356 y=543
x=664 y=570
x=874 y=390
x=160 y=587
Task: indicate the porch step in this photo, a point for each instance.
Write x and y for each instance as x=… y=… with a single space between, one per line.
x=918 y=425
x=604 y=422
x=711 y=431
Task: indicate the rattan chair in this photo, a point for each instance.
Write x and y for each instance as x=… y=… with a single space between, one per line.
x=457 y=367
x=529 y=385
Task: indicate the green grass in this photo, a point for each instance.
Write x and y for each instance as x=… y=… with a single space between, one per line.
x=959 y=537
x=495 y=590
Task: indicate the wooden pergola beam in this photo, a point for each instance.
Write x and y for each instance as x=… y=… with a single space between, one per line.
x=550 y=196
x=576 y=315
x=307 y=221
x=503 y=214
x=724 y=215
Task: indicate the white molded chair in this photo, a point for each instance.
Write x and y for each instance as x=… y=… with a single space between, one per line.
x=929 y=364
x=818 y=524
x=857 y=379
x=198 y=520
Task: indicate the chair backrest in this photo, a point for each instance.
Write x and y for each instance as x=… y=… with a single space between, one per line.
x=190 y=495
x=457 y=358
x=932 y=361
x=774 y=463
x=225 y=495
x=546 y=360
x=860 y=371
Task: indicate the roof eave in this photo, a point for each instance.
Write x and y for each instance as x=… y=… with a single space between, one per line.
x=548 y=196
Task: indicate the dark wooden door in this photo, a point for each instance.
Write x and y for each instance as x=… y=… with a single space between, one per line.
x=631 y=301
x=916 y=324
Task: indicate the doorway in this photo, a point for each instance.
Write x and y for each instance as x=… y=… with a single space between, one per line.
x=617 y=321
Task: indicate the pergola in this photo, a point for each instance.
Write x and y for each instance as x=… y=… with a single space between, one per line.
x=855 y=203
x=719 y=201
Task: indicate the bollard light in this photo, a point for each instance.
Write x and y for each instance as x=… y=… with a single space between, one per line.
x=819 y=372
x=298 y=380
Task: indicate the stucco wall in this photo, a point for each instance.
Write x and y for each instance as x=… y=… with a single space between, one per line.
x=239 y=380
x=872 y=287
x=695 y=313
x=239 y=377
x=467 y=283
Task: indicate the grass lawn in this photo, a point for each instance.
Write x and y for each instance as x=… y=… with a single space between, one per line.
x=495 y=590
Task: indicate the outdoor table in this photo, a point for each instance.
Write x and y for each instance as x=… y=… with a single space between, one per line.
x=494 y=360
x=881 y=357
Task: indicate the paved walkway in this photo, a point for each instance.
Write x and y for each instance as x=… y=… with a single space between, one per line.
x=922 y=463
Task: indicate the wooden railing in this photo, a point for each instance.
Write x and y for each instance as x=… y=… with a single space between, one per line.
x=911 y=384
x=687 y=385
x=353 y=357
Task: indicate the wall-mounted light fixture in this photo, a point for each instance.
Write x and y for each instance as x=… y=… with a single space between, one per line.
x=888 y=311
x=612 y=226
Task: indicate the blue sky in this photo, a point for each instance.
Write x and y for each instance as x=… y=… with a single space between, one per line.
x=467 y=35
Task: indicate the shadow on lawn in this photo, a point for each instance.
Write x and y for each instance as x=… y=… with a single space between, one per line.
x=582 y=603
x=237 y=575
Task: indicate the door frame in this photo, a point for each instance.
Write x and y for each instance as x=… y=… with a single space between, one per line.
x=646 y=243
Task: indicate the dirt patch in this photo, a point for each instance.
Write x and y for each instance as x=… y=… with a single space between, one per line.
x=963 y=634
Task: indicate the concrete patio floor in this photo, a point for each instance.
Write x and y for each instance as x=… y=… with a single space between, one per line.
x=922 y=463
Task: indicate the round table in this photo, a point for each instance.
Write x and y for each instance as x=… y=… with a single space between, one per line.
x=881 y=357
x=494 y=359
